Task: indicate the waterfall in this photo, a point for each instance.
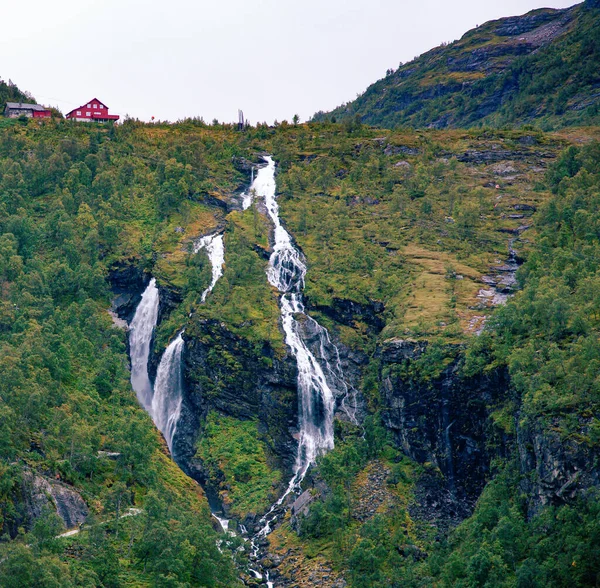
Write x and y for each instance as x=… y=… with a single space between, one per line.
x=317 y=380
x=163 y=402
x=140 y=337
x=316 y=398
x=168 y=388
x=215 y=249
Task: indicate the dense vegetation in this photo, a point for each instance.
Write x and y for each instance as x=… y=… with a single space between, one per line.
x=547 y=337
x=542 y=68
x=235 y=449
x=79 y=199
x=401 y=224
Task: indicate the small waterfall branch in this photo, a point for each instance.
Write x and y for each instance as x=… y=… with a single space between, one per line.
x=163 y=400
x=168 y=390
x=140 y=337
x=215 y=248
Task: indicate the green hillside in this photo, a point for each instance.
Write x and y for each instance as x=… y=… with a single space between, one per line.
x=400 y=229
x=540 y=68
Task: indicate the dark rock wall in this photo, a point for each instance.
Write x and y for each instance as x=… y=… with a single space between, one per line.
x=128 y=282
x=555 y=470
x=443 y=423
x=35 y=495
x=227 y=373
x=446 y=425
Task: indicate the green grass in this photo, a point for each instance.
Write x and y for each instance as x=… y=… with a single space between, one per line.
x=236 y=458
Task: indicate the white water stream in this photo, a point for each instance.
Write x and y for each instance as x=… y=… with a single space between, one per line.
x=215 y=250
x=318 y=379
x=316 y=399
x=168 y=390
x=140 y=337
x=248 y=197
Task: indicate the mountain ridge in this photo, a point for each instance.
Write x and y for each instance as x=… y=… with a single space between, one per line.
x=538 y=68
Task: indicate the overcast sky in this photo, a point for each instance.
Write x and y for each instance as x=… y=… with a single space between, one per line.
x=271 y=58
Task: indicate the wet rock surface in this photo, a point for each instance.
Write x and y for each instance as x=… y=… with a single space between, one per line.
x=128 y=281
x=343 y=368
x=226 y=373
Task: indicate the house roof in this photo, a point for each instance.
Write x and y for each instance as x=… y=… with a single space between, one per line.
x=25 y=106
x=84 y=105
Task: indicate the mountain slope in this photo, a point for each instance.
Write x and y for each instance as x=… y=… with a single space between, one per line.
x=406 y=237
x=541 y=68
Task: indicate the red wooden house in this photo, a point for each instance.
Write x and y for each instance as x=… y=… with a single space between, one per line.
x=94 y=110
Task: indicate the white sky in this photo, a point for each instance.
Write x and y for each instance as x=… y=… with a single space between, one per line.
x=271 y=58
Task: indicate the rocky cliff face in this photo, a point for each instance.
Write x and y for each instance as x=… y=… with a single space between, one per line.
x=128 y=281
x=36 y=495
x=555 y=470
x=226 y=373
x=443 y=423
x=446 y=425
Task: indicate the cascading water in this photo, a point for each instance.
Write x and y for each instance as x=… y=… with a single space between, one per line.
x=168 y=388
x=215 y=249
x=286 y=271
x=140 y=337
x=317 y=380
x=248 y=196
x=163 y=402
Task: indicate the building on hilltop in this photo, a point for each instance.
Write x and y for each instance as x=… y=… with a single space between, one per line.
x=17 y=109
x=94 y=110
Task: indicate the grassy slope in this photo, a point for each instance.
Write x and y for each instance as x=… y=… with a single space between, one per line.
x=376 y=231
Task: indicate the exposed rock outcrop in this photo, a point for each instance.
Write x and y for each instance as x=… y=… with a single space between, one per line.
x=443 y=422
x=226 y=373
x=446 y=424
x=128 y=281
x=348 y=312
x=555 y=470
x=41 y=494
